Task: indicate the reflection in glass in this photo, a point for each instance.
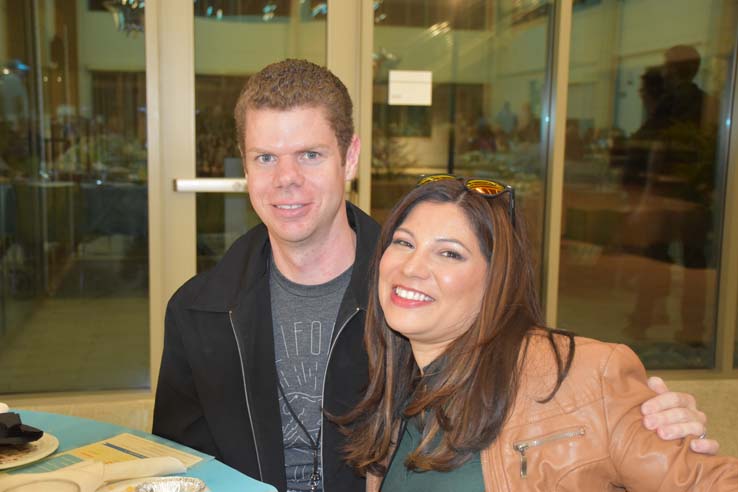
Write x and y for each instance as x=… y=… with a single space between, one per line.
x=426 y=13
x=488 y=63
x=73 y=200
x=642 y=199
x=232 y=40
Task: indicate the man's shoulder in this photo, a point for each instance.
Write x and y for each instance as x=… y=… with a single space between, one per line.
x=224 y=278
x=367 y=228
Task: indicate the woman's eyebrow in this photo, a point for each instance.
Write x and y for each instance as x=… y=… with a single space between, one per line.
x=406 y=231
x=453 y=241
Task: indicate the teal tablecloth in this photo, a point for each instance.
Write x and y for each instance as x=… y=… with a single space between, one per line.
x=74 y=432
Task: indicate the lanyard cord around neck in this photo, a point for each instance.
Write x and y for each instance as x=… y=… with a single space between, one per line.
x=315 y=475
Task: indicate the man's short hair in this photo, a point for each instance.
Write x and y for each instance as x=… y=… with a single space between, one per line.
x=290 y=84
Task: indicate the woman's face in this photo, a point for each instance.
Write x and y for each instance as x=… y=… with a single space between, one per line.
x=432 y=278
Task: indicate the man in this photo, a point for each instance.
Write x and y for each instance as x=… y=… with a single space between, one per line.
x=260 y=348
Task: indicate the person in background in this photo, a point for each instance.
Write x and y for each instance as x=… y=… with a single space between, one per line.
x=643 y=162
x=469 y=390
x=671 y=157
x=506 y=119
x=260 y=348
x=690 y=144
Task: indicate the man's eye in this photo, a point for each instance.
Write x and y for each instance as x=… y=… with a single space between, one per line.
x=265 y=158
x=311 y=155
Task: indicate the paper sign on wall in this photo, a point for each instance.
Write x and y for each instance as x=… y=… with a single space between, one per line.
x=410 y=87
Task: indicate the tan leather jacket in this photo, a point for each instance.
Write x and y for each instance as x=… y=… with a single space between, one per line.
x=590 y=436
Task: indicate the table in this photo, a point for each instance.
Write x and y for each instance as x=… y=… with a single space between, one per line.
x=108 y=208
x=44 y=227
x=74 y=432
x=636 y=219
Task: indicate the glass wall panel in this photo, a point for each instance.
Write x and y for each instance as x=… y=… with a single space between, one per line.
x=488 y=65
x=232 y=40
x=73 y=198
x=643 y=208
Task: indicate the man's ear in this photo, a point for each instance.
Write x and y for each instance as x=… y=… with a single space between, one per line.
x=352 y=158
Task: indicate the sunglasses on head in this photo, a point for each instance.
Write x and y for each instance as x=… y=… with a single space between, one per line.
x=486 y=187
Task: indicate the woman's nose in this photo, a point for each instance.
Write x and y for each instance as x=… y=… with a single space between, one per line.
x=416 y=265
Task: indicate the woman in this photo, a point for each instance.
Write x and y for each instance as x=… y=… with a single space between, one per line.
x=469 y=391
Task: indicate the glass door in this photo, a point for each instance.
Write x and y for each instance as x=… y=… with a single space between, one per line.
x=646 y=165
x=74 y=256
x=231 y=42
x=486 y=64
x=203 y=56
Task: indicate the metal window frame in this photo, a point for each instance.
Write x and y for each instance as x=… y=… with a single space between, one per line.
x=170 y=69
x=351 y=33
x=727 y=294
x=557 y=82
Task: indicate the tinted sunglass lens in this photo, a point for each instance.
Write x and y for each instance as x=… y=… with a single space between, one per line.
x=435 y=177
x=485 y=186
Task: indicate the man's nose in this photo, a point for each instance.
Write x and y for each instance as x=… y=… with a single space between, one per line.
x=288 y=172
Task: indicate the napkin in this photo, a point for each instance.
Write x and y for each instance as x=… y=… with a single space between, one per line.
x=88 y=476
x=147 y=467
x=13 y=432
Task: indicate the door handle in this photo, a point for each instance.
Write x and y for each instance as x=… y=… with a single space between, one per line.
x=211 y=185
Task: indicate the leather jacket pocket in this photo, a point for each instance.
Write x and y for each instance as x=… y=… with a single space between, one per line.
x=524 y=445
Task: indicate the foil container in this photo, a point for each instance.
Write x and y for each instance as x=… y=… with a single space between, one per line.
x=172 y=484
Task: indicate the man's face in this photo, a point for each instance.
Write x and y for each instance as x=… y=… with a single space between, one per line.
x=296 y=174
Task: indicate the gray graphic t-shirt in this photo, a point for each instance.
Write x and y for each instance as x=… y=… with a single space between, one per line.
x=303 y=319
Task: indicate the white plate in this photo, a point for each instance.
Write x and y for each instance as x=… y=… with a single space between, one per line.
x=12 y=456
x=128 y=485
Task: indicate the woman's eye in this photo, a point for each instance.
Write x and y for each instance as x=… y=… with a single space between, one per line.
x=452 y=254
x=402 y=242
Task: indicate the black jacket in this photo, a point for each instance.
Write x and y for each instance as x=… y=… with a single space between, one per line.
x=217 y=388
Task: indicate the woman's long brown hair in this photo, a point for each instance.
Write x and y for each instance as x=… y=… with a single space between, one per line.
x=466 y=395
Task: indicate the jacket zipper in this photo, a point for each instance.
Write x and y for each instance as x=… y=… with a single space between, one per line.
x=246 y=394
x=322 y=391
x=522 y=446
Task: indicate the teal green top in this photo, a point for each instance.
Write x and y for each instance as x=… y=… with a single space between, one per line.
x=467 y=478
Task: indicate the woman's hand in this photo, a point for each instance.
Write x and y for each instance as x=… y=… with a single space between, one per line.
x=675 y=415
